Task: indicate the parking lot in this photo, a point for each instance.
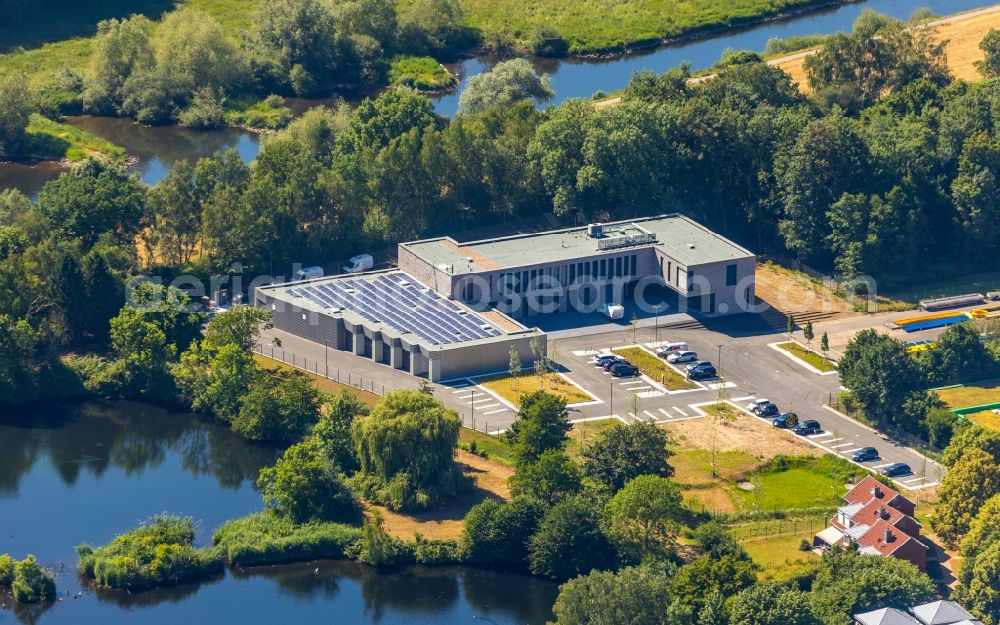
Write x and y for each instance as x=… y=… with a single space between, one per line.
x=748 y=369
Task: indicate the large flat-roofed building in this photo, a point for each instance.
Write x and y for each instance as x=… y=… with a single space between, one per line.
x=394 y=319
x=586 y=267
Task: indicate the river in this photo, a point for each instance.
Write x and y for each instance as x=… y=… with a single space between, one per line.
x=157 y=148
x=71 y=474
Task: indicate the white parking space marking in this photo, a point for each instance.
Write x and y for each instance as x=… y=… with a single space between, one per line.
x=463 y=397
x=648 y=394
x=849 y=451
x=747 y=398
x=683 y=414
x=882 y=466
x=667 y=414
x=462 y=388
x=649 y=414
x=915 y=479
x=496 y=411
x=828 y=441
x=842 y=445
x=633 y=382
x=492 y=400
x=716 y=385
x=493 y=405
x=640 y=389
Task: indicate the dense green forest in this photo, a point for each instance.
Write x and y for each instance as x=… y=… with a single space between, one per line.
x=900 y=187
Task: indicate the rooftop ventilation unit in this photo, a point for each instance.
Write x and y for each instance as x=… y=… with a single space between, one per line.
x=626 y=236
x=690 y=246
x=595 y=231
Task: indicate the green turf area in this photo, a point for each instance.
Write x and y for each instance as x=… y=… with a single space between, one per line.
x=420 y=72
x=52 y=140
x=584 y=433
x=491 y=447
x=797 y=483
x=654 y=367
x=808 y=356
x=594 y=26
x=975 y=394
x=779 y=557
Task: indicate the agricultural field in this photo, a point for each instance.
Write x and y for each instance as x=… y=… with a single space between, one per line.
x=512 y=388
x=655 y=368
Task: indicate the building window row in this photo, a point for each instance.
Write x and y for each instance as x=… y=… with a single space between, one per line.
x=615 y=267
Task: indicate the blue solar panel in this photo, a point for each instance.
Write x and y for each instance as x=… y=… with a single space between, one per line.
x=403 y=304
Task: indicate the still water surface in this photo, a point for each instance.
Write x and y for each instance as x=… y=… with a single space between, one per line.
x=73 y=474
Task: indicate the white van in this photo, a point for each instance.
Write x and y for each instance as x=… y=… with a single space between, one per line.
x=668 y=348
x=309 y=273
x=359 y=263
x=614 y=311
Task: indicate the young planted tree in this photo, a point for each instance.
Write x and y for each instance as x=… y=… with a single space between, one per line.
x=824 y=344
x=514 y=367
x=808 y=334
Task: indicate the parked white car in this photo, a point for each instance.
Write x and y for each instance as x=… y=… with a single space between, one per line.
x=684 y=356
x=760 y=401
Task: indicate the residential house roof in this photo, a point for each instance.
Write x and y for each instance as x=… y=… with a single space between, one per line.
x=869 y=489
x=875 y=538
x=941 y=613
x=886 y=616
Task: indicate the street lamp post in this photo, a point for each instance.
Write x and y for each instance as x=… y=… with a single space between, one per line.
x=722 y=380
x=656 y=325
x=326 y=357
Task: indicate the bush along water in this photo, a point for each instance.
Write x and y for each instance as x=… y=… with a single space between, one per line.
x=158 y=553
x=27 y=580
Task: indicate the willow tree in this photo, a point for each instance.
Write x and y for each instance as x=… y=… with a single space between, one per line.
x=406 y=448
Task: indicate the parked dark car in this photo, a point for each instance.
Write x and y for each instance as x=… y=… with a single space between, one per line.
x=768 y=411
x=809 y=426
x=603 y=359
x=701 y=371
x=865 y=454
x=785 y=420
x=760 y=408
x=607 y=364
x=895 y=470
x=624 y=370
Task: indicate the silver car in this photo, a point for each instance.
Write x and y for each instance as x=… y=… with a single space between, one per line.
x=679 y=357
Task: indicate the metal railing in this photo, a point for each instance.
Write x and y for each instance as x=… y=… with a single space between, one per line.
x=334 y=374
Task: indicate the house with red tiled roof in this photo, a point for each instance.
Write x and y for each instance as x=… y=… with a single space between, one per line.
x=879 y=521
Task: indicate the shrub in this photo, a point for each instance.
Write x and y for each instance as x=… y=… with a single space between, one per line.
x=569 y=541
x=6 y=570
x=377 y=548
x=158 y=553
x=31 y=583
x=268 y=538
x=98 y=375
x=305 y=486
x=434 y=552
x=205 y=111
x=545 y=41
x=497 y=534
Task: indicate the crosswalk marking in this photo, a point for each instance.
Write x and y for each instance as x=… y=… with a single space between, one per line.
x=649 y=414
x=668 y=415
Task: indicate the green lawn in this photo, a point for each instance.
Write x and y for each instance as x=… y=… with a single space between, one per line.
x=50 y=139
x=808 y=482
x=808 y=356
x=494 y=448
x=654 y=367
x=977 y=394
x=597 y=26
x=584 y=433
x=779 y=557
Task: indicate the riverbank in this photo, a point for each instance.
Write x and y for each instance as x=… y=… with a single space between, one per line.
x=49 y=140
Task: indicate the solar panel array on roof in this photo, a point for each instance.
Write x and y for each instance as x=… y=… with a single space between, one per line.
x=403 y=304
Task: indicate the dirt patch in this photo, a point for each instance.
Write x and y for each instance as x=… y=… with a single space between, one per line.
x=795 y=293
x=714 y=500
x=445 y=522
x=744 y=434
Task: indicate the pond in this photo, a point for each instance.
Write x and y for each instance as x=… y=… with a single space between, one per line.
x=156 y=148
x=83 y=473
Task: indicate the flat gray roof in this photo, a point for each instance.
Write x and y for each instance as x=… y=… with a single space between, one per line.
x=675 y=235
